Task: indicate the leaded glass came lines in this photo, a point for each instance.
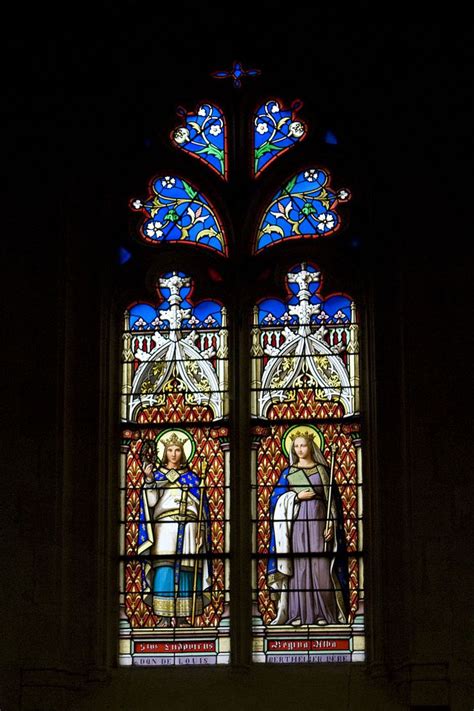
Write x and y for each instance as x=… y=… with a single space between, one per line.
x=276 y=130
x=204 y=136
x=176 y=212
x=175 y=480
x=306 y=206
x=307 y=476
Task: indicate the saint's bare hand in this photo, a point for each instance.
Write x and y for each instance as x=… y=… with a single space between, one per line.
x=329 y=533
x=306 y=495
x=148 y=469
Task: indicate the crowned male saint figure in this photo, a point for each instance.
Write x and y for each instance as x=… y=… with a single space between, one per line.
x=174 y=528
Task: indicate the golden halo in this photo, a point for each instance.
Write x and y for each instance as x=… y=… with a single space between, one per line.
x=188 y=443
x=305 y=431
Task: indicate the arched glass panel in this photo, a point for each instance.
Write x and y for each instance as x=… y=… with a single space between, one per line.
x=203 y=135
x=174 y=480
x=307 y=476
x=276 y=130
x=176 y=212
x=306 y=206
x=306 y=457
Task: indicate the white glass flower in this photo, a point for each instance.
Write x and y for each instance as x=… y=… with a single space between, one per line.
x=137 y=204
x=275 y=108
x=168 y=181
x=326 y=222
x=262 y=128
x=181 y=135
x=215 y=130
x=296 y=129
x=311 y=175
x=343 y=194
x=202 y=111
x=154 y=230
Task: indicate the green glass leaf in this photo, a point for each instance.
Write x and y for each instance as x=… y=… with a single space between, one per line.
x=189 y=190
x=172 y=215
x=212 y=150
x=308 y=209
x=266 y=148
x=290 y=185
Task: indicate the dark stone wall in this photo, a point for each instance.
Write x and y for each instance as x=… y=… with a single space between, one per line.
x=80 y=104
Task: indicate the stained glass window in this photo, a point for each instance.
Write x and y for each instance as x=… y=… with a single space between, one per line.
x=179 y=432
x=307 y=476
x=174 y=480
x=176 y=212
x=204 y=136
x=276 y=129
x=305 y=207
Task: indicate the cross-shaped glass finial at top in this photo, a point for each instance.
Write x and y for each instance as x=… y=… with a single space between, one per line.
x=237 y=73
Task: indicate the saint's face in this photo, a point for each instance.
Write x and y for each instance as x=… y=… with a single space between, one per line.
x=173 y=455
x=302 y=448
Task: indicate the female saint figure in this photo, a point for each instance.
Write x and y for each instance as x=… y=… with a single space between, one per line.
x=307 y=568
x=174 y=527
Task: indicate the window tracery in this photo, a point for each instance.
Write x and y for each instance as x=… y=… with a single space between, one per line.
x=303 y=421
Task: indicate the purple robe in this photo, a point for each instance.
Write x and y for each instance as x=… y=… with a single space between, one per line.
x=311 y=589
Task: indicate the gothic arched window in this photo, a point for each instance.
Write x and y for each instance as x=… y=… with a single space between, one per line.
x=241 y=461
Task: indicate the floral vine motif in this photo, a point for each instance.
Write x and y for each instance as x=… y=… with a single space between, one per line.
x=325 y=367
x=203 y=136
x=276 y=130
x=177 y=212
x=284 y=369
x=193 y=369
x=306 y=205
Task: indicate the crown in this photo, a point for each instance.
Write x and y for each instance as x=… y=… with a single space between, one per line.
x=299 y=433
x=174 y=439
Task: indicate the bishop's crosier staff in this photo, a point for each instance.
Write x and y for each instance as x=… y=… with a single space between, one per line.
x=198 y=539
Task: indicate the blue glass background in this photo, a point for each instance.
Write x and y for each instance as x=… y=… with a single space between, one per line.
x=180 y=213
x=203 y=138
x=279 y=309
x=306 y=200
x=277 y=137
